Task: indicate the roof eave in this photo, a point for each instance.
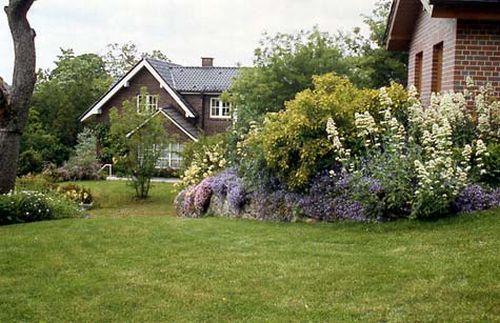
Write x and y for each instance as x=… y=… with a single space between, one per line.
x=472 y=10
x=401 y=23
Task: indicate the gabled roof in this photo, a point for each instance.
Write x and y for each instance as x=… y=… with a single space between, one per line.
x=195 y=78
x=174 y=79
x=182 y=123
x=404 y=13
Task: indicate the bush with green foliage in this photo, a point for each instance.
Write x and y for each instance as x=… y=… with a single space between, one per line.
x=62 y=94
x=491 y=161
x=26 y=206
x=39 y=147
x=138 y=142
x=39 y=183
x=387 y=156
x=284 y=65
x=76 y=193
x=293 y=141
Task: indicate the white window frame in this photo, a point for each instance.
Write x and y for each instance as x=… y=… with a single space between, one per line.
x=151 y=104
x=171 y=156
x=217 y=107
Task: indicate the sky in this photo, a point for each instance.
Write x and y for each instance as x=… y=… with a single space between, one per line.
x=228 y=30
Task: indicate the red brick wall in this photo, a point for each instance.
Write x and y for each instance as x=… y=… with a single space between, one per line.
x=142 y=78
x=213 y=126
x=427 y=33
x=201 y=104
x=478 y=53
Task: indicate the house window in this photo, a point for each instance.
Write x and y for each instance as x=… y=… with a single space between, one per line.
x=147 y=104
x=418 y=71
x=171 y=156
x=437 y=67
x=219 y=109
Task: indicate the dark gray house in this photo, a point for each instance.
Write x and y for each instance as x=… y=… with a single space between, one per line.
x=186 y=96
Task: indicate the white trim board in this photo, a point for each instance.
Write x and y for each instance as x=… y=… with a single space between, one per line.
x=125 y=81
x=169 y=118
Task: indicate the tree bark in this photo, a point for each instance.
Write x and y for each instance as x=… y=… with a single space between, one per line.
x=15 y=101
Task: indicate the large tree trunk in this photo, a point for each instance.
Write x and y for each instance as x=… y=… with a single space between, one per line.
x=9 y=147
x=14 y=101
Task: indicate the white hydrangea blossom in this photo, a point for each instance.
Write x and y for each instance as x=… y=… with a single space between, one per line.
x=367 y=128
x=342 y=154
x=384 y=98
x=481 y=150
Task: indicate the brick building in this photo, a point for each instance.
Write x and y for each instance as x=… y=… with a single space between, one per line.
x=447 y=41
x=187 y=97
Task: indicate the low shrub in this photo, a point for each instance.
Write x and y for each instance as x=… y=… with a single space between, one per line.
x=73 y=172
x=492 y=165
x=76 y=193
x=28 y=206
x=203 y=159
x=167 y=173
x=195 y=200
x=82 y=165
x=476 y=198
x=39 y=183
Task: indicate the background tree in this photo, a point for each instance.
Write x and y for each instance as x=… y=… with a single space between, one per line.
x=38 y=147
x=138 y=142
x=120 y=58
x=14 y=101
x=371 y=65
x=63 y=94
x=284 y=65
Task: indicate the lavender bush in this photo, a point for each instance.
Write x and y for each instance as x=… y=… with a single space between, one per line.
x=475 y=198
x=194 y=201
x=202 y=194
x=228 y=184
x=346 y=197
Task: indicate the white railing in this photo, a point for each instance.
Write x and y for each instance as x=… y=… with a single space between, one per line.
x=109 y=166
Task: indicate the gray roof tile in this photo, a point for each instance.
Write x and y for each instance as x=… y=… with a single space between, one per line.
x=181 y=120
x=194 y=78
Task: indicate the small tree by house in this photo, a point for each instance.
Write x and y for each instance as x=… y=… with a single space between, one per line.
x=138 y=140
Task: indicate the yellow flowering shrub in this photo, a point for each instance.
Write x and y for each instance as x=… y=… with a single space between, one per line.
x=203 y=159
x=294 y=142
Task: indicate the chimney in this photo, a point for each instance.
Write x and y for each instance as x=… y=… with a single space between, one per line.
x=207 y=61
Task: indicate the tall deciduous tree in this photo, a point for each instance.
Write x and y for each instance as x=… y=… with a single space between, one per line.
x=371 y=65
x=15 y=100
x=284 y=65
x=120 y=58
x=64 y=93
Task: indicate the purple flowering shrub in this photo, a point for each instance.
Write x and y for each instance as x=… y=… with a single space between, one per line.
x=475 y=198
x=228 y=184
x=278 y=205
x=346 y=197
x=184 y=203
x=328 y=199
x=194 y=201
x=202 y=194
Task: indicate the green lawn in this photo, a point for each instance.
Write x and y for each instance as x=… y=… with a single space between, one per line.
x=137 y=262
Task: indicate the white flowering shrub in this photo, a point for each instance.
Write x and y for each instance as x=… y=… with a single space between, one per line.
x=30 y=206
x=204 y=159
x=423 y=165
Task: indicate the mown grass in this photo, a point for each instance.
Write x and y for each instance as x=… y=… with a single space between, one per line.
x=116 y=199
x=156 y=267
